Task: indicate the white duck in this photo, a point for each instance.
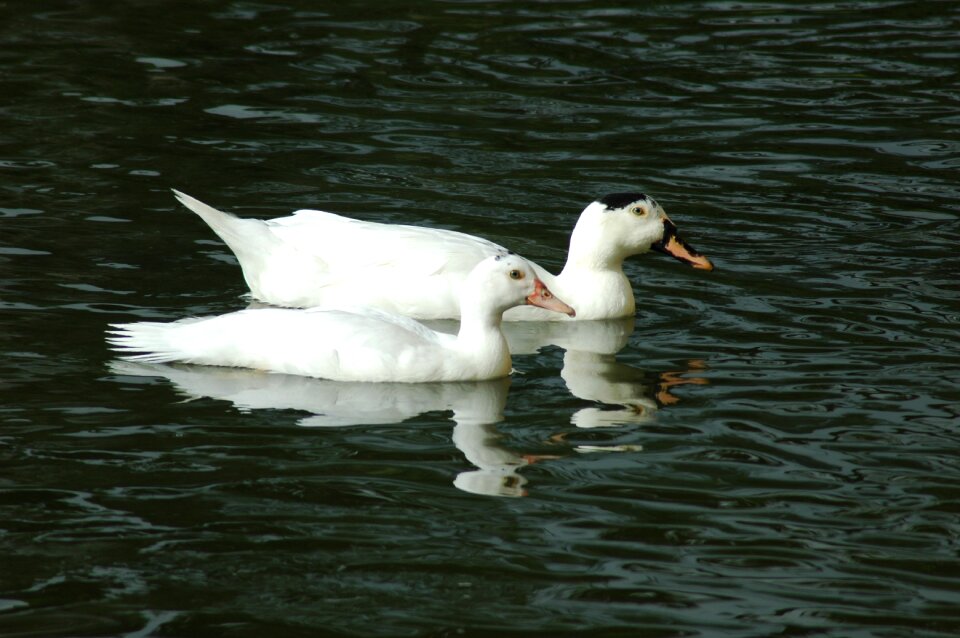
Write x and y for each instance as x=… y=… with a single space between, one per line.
x=316 y=258
x=359 y=344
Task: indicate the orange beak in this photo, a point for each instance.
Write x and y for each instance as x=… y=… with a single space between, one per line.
x=545 y=299
x=673 y=245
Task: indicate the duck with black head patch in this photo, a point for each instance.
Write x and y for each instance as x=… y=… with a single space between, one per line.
x=313 y=258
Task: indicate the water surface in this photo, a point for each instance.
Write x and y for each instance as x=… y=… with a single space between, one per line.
x=770 y=448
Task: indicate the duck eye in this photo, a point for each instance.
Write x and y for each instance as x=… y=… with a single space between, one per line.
x=639 y=211
x=516 y=274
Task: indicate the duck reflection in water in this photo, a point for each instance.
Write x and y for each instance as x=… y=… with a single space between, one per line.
x=621 y=394
x=476 y=407
x=590 y=370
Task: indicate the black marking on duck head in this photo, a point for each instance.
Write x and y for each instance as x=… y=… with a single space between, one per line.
x=502 y=255
x=614 y=201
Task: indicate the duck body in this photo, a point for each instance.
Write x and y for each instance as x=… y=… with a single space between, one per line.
x=315 y=258
x=358 y=344
x=353 y=344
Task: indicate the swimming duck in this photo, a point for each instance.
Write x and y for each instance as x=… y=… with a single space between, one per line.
x=314 y=258
x=354 y=344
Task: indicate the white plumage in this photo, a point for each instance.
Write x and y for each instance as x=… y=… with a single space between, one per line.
x=315 y=258
x=353 y=344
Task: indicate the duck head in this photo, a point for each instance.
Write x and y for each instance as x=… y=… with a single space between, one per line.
x=632 y=224
x=507 y=280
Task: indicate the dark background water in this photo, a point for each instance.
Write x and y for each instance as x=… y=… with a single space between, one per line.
x=780 y=450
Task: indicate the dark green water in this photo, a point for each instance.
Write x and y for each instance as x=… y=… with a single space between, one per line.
x=779 y=440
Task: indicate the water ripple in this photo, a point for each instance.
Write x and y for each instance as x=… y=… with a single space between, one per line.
x=768 y=449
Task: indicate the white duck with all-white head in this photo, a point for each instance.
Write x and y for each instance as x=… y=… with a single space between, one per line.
x=355 y=344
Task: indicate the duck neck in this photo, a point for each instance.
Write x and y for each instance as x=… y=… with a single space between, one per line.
x=479 y=324
x=591 y=251
x=480 y=335
x=593 y=279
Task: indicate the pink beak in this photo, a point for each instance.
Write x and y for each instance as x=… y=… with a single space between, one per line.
x=545 y=299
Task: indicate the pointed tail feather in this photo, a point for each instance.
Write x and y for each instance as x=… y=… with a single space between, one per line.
x=145 y=341
x=218 y=220
x=241 y=235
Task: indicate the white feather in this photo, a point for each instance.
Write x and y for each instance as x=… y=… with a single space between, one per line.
x=349 y=344
x=314 y=258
